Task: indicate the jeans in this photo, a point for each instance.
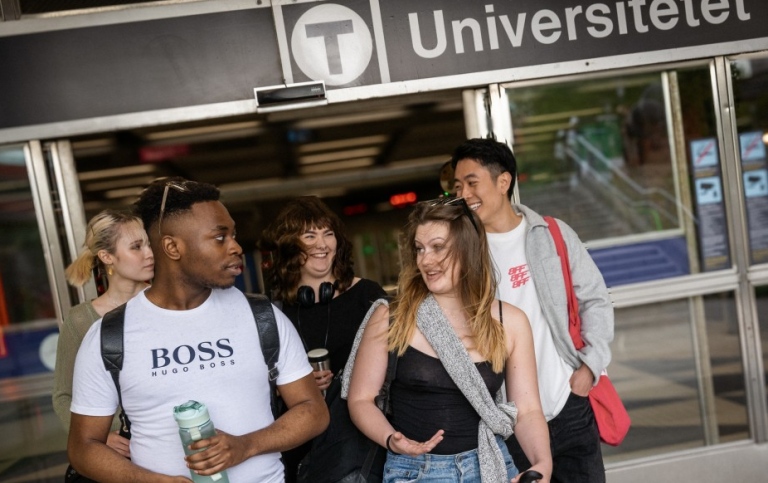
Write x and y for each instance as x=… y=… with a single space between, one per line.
x=575 y=444
x=463 y=467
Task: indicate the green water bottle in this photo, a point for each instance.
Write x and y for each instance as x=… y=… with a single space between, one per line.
x=195 y=424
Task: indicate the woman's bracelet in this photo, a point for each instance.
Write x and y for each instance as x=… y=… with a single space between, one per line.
x=389 y=438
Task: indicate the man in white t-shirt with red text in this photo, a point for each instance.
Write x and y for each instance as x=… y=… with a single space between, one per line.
x=530 y=277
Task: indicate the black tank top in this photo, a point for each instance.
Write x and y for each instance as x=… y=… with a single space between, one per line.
x=425 y=399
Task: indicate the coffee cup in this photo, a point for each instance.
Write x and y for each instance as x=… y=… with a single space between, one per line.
x=319 y=359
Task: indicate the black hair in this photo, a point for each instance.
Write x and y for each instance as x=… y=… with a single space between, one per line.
x=493 y=155
x=178 y=200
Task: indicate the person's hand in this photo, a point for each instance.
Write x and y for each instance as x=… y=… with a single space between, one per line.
x=543 y=479
x=323 y=379
x=402 y=445
x=119 y=444
x=219 y=453
x=582 y=380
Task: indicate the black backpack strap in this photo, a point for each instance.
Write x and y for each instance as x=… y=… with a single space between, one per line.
x=382 y=400
x=269 y=338
x=112 y=354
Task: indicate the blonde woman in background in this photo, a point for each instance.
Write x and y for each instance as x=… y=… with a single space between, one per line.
x=116 y=244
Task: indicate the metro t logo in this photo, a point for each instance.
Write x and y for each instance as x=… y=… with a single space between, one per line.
x=330 y=32
x=332 y=43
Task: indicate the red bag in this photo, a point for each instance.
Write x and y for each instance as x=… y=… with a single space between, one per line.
x=610 y=414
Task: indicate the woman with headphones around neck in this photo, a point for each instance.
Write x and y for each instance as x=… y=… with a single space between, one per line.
x=312 y=277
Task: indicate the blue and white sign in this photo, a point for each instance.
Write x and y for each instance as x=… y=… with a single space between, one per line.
x=704 y=153
x=752 y=146
x=756 y=183
x=709 y=190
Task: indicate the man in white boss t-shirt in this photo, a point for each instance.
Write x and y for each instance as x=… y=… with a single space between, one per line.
x=530 y=277
x=192 y=335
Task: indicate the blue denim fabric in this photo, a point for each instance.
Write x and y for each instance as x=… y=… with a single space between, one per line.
x=463 y=467
x=575 y=442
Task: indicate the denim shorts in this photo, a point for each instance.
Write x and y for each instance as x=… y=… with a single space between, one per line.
x=463 y=467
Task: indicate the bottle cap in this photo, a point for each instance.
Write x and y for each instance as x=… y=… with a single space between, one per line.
x=317 y=355
x=191 y=414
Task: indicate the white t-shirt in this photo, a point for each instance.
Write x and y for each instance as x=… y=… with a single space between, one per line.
x=516 y=287
x=210 y=354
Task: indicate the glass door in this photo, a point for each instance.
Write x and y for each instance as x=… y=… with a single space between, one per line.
x=26 y=296
x=749 y=75
x=42 y=221
x=601 y=155
x=29 y=309
x=634 y=163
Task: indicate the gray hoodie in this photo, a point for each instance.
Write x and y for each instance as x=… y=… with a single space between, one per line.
x=595 y=306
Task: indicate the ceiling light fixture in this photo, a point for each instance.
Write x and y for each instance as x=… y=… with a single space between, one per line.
x=203 y=133
x=343 y=143
x=117 y=172
x=337 y=166
x=322 y=122
x=118 y=183
x=339 y=155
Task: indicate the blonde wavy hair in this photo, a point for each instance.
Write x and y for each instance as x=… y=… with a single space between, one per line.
x=102 y=233
x=476 y=287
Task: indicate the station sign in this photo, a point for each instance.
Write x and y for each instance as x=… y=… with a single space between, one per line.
x=211 y=59
x=350 y=43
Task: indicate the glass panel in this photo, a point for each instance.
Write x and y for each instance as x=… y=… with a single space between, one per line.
x=34 y=444
x=761 y=296
x=750 y=90
x=28 y=330
x=677 y=366
x=25 y=293
x=597 y=153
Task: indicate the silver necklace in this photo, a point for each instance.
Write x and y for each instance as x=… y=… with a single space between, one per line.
x=112 y=301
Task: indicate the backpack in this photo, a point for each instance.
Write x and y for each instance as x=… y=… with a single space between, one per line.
x=266 y=325
x=112 y=355
x=342 y=453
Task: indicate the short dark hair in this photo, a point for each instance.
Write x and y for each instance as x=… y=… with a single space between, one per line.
x=147 y=207
x=493 y=155
x=283 y=239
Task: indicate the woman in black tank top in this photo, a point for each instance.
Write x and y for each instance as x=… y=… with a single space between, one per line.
x=446 y=286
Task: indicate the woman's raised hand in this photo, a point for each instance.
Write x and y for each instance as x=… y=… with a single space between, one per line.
x=397 y=443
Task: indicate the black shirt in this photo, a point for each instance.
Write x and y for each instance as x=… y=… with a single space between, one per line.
x=339 y=320
x=425 y=399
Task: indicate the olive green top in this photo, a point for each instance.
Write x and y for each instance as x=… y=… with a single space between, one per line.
x=77 y=322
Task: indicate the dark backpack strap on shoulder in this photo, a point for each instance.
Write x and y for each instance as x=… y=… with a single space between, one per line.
x=384 y=403
x=112 y=325
x=383 y=399
x=269 y=338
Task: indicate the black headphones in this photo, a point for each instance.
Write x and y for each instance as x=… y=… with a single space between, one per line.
x=306 y=295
